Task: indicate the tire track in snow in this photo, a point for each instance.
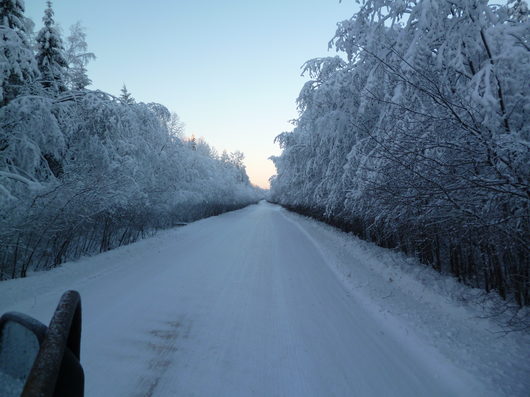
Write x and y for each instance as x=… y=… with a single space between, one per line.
x=163 y=345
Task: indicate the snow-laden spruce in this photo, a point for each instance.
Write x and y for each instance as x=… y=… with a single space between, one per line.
x=418 y=136
x=50 y=53
x=82 y=171
x=18 y=66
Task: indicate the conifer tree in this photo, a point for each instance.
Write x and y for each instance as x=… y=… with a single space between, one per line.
x=50 y=54
x=12 y=14
x=126 y=96
x=17 y=63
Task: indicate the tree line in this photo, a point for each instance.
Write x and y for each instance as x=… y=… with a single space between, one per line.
x=83 y=171
x=416 y=136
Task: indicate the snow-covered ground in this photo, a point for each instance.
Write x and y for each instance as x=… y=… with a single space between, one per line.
x=263 y=302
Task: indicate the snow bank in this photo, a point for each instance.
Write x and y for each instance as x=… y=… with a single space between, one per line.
x=423 y=303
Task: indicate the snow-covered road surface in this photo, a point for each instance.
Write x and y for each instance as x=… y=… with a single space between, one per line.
x=242 y=304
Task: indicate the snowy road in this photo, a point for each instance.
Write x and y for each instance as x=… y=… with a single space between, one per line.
x=243 y=304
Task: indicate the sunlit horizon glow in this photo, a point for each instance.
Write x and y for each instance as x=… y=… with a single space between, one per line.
x=230 y=70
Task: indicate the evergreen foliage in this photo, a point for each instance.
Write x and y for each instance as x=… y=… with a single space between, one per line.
x=18 y=67
x=12 y=15
x=50 y=54
x=126 y=97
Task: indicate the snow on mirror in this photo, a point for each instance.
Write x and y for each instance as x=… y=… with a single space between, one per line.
x=18 y=349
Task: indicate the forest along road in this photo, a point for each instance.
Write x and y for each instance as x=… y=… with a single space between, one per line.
x=242 y=304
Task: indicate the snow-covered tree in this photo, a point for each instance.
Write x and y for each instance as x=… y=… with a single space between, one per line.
x=12 y=15
x=77 y=57
x=84 y=171
x=126 y=97
x=176 y=126
x=17 y=63
x=50 y=54
x=420 y=139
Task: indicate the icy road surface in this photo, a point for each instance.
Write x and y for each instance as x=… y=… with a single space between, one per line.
x=243 y=304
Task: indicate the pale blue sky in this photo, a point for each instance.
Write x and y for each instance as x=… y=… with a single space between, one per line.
x=230 y=69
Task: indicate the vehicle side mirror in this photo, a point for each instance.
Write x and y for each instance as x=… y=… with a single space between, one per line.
x=20 y=340
x=40 y=361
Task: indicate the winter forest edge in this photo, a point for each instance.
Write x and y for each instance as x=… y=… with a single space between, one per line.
x=416 y=137
x=82 y=171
